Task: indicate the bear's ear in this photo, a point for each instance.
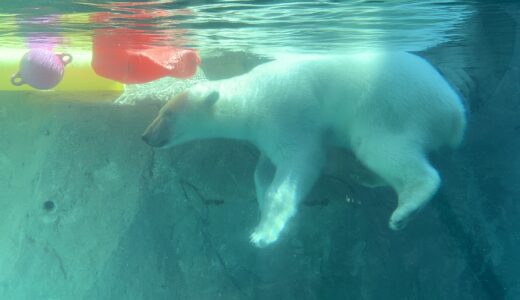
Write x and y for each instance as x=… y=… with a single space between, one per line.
x=212 y=98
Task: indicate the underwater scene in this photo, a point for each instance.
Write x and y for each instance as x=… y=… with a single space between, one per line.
x=242 y=150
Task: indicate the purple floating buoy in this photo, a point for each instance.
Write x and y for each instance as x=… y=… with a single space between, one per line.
x=41 y=69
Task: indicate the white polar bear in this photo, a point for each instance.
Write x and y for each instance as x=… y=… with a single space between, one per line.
x=389 y=109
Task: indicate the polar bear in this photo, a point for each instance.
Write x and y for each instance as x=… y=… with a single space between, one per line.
x=389 y=109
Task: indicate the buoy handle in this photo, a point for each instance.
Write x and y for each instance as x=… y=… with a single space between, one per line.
x=17 y=80
x=65 y=58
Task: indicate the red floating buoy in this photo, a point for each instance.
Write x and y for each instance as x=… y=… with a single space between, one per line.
x=129 y=56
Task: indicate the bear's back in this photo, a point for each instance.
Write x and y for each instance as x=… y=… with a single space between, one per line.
x=356 y=95
x=380 y=93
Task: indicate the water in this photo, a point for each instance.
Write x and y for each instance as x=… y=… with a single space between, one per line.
x=89 y=211
x=261 y=26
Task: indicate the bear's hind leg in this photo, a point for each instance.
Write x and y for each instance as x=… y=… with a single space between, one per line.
x=418 y=188
x=405 y=167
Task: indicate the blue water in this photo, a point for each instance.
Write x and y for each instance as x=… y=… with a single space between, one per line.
x=89 y=211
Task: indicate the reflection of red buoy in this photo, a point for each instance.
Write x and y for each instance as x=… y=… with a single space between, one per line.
x=127 y=55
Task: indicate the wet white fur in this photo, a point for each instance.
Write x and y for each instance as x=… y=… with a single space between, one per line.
x=389 y=109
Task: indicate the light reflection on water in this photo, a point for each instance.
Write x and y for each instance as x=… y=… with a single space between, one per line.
x=258 y=26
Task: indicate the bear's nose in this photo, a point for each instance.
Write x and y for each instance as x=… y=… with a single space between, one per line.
x=145 y=138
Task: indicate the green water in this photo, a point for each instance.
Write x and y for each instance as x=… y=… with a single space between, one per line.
x=89 y=211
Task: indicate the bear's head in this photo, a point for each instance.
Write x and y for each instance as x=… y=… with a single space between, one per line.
x=184 y=118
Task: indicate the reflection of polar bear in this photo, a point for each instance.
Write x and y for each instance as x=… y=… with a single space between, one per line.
x=388 y=109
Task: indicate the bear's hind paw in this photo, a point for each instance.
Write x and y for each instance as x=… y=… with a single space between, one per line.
x=402 y=216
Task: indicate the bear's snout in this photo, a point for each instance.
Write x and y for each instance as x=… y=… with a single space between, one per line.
x=146 y=138
x=156 y=135
x=153 y=141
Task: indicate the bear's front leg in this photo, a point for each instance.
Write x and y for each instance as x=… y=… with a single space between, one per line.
x=264 y=174
x=292 y=181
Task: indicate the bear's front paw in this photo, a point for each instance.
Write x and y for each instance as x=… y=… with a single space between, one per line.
x=262 y=238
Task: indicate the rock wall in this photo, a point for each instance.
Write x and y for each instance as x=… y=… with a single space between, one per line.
x=90 y=212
